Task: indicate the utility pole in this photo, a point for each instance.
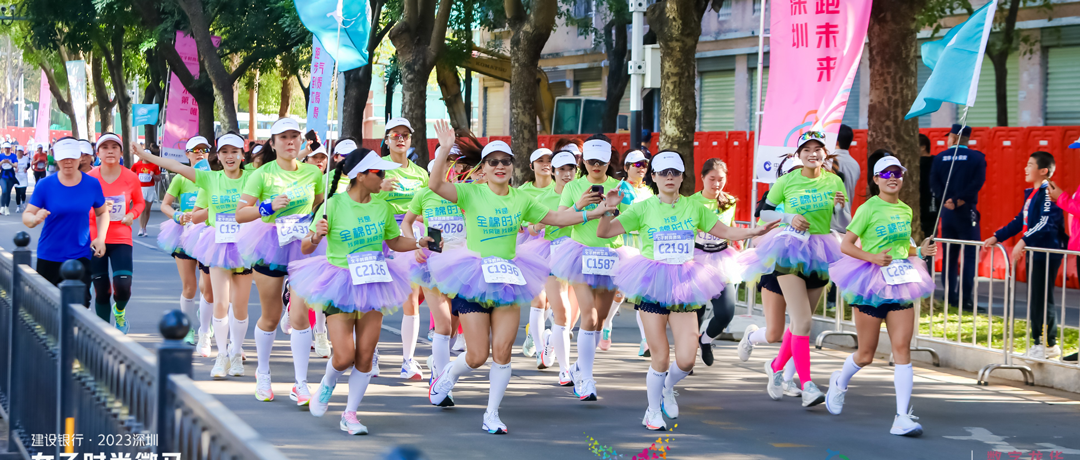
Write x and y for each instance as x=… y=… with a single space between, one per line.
x=636 y=69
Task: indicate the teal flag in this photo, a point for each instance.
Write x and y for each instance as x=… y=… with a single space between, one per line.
x=347 y=43
x=144 y=114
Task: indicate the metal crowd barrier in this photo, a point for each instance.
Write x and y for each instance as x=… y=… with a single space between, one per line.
x=96 y=391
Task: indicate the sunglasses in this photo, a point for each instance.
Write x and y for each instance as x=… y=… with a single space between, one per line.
x=377 y=172
x=640 y=164
x=670 y=172
x=891 y=174
x=595 y=163
x=399 y=137
x=199 y=150
x=493 y=162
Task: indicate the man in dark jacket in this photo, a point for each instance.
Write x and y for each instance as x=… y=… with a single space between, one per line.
x=960 y=217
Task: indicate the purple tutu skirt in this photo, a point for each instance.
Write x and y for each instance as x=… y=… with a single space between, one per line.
x=190 y=238
x=677 y=287
x=328 y=287
x=726 y=262
x=862 y=283
x=525 y=237
x=419 y=273
x=566 y=265
x=169 y=236
x=258 y=245
x=458 y=273
x=541 y=247
x=785 y=254
x=221 y=255
x=404 y=261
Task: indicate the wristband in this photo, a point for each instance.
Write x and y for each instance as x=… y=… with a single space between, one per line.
x=266 y=208
x=918 y=252
x=574 y=206
x=176 y=216
x=584 y=217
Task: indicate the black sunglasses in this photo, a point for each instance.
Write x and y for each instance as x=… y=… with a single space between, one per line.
x=670 y=172
x=493 y=162
x=595 y=162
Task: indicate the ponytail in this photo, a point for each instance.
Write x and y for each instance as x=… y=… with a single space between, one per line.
x=343 y=168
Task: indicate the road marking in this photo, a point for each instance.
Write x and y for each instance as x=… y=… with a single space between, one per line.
x=147 y=245
x=398 y=332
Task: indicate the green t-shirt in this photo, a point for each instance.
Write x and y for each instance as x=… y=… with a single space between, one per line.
x=533 y=190
x=881 y=224
x=550 y=199
x=651 y=216
x=249 y=166
x=301 y=186
x=811 y=198
x=586 y=233
x=184 y=191
x=642 y=193
x=356 y=227
x=727 y=217
x=411 y=180
x=429 y=204
x=221 y=193
x=492 y=222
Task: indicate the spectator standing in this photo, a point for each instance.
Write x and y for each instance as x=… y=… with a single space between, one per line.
x=149 y=174
x=849 y=171
x=960 y=215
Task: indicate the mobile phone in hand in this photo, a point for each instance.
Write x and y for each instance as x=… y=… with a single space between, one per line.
x=436 y=235
x=597 y=189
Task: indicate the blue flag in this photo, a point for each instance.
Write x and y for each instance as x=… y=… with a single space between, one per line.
x=349 y=44
x=960 y=54
x=144 y=114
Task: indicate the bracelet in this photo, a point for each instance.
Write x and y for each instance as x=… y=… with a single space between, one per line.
x=418 y=244
x=176 y=216
x=584 y=217
x=266 y=208
x=918 y=252
x=575 y=207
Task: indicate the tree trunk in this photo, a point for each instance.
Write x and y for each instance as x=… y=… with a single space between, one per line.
x=253 y=106
x=357 y=87
x=414 y=104
x=205 y=101
x=530 y=32
x=1001 y=73
x=211 y=65
x=101 y=93
x=286 y=95
x=114 y=59
x=446 y=75
x=617 y=77
x=893 y=85
x=389 y=102
x=62 y=100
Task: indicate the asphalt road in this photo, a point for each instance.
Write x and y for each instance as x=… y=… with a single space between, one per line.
x=725 y=412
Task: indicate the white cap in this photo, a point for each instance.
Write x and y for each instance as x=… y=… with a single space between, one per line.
x=67 y=149
x=319 y=151
x=372 y=161
x=634 y=157
x=86 y=147
x=496 y=146
x=791 y=163
x=284 y=124
x=230 y=139
x=195 y=142
x=538 y=153
x=256 y=149
x=886 y=162
x=19 y=148
x=597 y=149
x=572 y=148
x=344 y=147
x=399 y=121
x=106 y=138
x=668 y=160
x=6 y=145
x=563 y=158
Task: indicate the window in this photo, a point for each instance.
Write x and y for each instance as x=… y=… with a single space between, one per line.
x=757 y=7
x=583 y=8
x=725 y=11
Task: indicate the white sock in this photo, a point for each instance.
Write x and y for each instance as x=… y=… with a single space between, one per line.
x=206 y=314
x=705 y=339
x=264 y=344
x=188 y=307
x=410 y=326
x=300 y=343
x=320 y=321
x=560 y=339
x=232 y=316
x=611 y=314
x=238 y=332
x=499 y=377
x=789 y=369
x=597 y=335
x=640 y=326
x=358 y=382
x=903 y=380
x=654 y=386
x=457 y=369
x=758 y=337
x=586 y=351
x=674 y=376
x=440 y=352
x=536 y=326
x=332 y=374
x=221 y=335
x=849 y=370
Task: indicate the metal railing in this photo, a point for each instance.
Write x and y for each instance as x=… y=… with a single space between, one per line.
x=95 y=387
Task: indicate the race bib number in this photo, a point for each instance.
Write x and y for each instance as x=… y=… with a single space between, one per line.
x=368 y=267
x=900 y=271
x=145 y=177
x=599 y=261
x=117 y=208
x=501 y=271
x=452 y=227
x=802 y=235
x=558 y=242
x=292 y=228
x=52 y=168
x=6 y=166
x=41 y=165
x=226 y=229
x=673 y=247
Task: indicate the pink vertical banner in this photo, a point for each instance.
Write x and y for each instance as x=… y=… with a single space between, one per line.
x=181 y=110
x=41 y=128
x=814 y=51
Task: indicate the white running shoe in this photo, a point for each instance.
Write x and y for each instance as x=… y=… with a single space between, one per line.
x=834 y=398
x=575 y=379
x=439 y=392
x=375 y=363
x=236 y=366
x=284 y=322
x=906 y=425
x=547 y=353
x=492 y=423
x=431 y=335
x=588 y=390
x=301 y=394
x=350 y=424
x=263 y=391
x=1053 y=352
x=322 y=345
x=566 y=379
x=529 y=347
x=775 y=387
x=792 y=387
x=668 y=405
x=811 y=395
x=745 y=345
x=1036 y=352
x=220 y=366
x=459 y=343
x=432 y=371
x=204 y=347
x=322 y=400
x=410 y=370
x=654 y=420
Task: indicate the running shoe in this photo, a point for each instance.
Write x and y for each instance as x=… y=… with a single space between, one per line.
x=792 y=387
x=142 y=233
x=432 y=371
x=459 y=343
x=375 y=362
x=776 y=381
x=263 y=390
x=243 y=356
x=410 y=370
x=284 y=321
x=643 y=349
x=120 y=319
x=431 y=335
x=191 y=337
x=834 y=398
x=745 y=346
x=322 y=345
x=546 y=358
x=301 y=394
x=236 y=366
x=350 y=424
x=906 y=425
x=1036 y=352
x=811 y=395
x=588 y=390
x=706 y=352
x=492 y=424
x=654 y=420
x=322 y=399
x=565 y=379
x=221 y=365
x=669 y=406
x=204 y=345
x=605 y=339
x=528 y=348
x=439 y=392
x=575 y=379
x=1053 y=352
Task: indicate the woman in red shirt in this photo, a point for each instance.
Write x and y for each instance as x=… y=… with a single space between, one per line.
x=123 y=197
x=148 y=174
x=40 y=161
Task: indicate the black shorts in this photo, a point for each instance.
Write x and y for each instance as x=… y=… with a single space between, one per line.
x=266 y=270
x=459 y=306
x=650 y=307
x=180 y=255
x=204 y=268
x=119 y=256
x=882 y=311
x=770 y=283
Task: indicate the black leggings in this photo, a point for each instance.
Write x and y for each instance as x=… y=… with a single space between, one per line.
x=119 y=255
x=723 y=311
x=51 y=272
x=20 y=196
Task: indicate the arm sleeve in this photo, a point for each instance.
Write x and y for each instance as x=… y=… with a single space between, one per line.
x=567 y=198
x=860 y=221
x=631 y=218
x=317 y=217
x=1051 y=221
x=174 y=187
x=202 y=179
x=99 y=197
x=776 y=192
x=1067 y=203
x=533 y=210
x=390 y=226
x=253 y=186
x=706 y=219
x=1012 y=228
x=415 y=205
